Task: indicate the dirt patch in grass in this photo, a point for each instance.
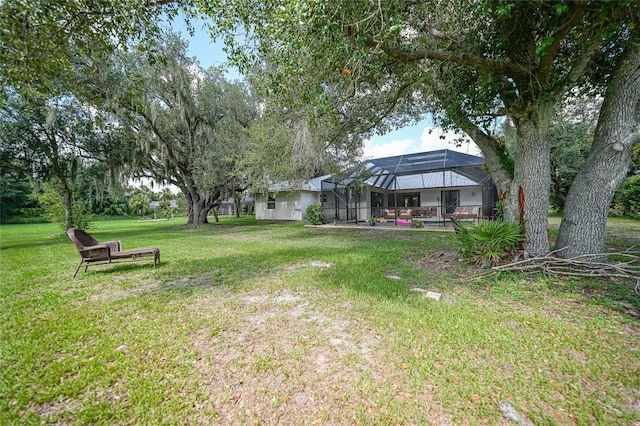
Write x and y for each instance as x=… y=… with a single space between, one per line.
x=440 y=261
x=296 y=359
x=114 y=294
x=311 y=264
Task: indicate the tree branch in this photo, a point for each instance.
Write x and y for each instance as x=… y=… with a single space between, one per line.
x=590 y=265
x=544 y=68
x=477 y=62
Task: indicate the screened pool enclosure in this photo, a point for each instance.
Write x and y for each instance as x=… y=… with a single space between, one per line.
x=424 y=186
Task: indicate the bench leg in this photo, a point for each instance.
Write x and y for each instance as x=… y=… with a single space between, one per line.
x=78 y=268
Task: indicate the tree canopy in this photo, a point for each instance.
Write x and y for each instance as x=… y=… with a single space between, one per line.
x=43 y=42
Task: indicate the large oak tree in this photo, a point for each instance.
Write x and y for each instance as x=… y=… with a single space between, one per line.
x=189 y=124
x=52 y=139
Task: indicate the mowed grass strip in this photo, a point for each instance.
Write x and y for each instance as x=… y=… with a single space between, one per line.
x=247 y=322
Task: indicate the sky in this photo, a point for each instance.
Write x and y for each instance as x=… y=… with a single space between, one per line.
x=420 y=137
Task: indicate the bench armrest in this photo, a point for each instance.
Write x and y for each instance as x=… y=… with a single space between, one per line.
x=113 y=245
x=97 y=251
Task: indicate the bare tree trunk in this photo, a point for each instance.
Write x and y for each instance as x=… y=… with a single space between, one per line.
x=237 y=203
x=198 y=215
x=582 y=229
x=197 y=210
x=532 y=178
x=68 y=207
x=525 y=197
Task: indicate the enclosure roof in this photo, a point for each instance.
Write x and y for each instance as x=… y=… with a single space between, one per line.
x=426 y=161
x=388 y=172
x=440 y=179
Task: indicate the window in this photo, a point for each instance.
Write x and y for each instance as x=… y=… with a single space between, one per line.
x=410 y=199
x=377 y=199
x=271 y=201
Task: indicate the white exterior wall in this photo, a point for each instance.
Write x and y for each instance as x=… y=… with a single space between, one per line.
x=430 y=198
x=364 y=210
x=471 y=196
x=290 y=205
x=307 y=197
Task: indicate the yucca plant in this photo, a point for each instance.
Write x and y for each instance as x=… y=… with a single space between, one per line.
x=489 y=242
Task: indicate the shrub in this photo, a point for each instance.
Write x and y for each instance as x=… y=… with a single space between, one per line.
x=54 y=210
x=417 y=223
x=315 y=214
x=29 y=212
x=488 y=243
x=626 y=202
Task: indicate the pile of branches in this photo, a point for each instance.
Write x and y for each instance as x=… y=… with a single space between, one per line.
x=624 y=265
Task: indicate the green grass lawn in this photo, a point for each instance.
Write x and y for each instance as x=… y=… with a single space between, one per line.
x=266 y=323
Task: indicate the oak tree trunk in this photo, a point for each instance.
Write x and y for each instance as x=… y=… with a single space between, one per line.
x=237 y=204
x=199 y=205
x=582 y=229
x=528 y=197
x=68 y=207
x=197 y=213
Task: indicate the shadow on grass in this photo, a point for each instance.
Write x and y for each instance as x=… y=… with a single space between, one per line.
x=113 y=269
x=360 y=259
x=361 y=273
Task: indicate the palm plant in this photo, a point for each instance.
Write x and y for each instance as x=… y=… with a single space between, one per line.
x=489 y=242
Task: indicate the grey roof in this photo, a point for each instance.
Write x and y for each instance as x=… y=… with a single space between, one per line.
x=314 y=185
x=446 y=178
x=155 y=204
x=410 y=171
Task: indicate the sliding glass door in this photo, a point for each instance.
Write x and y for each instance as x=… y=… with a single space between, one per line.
x=449 y=199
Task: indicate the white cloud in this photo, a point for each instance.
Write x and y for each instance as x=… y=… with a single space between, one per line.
x=380 y=149
x=434 y=138
x=402 y=141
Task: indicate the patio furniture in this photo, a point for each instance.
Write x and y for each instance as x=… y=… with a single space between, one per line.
x=405 y=214
x=424 y=212
x=462 y=212
x=389 y=214
x=93 y=252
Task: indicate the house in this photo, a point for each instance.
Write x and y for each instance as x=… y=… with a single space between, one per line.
x=227 y=206
x=173 y=204
x=288 y=202
x=427 y=186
